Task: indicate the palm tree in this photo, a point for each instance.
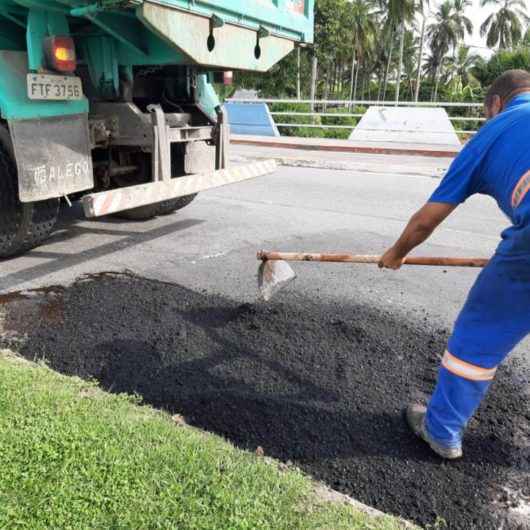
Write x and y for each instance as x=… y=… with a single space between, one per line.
x=421 y=6
x=363 y=26
x=450 y=26
x=410 y=55
x=420 y=57
x=387 y=40
x=298 y=74
x=431 y=66
x=460 y=66
x=400 y=13
x=449 y=29
x=314 y=80
x=505 y=28
x=330 y=38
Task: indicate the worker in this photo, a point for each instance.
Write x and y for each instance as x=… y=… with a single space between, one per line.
x=496 y=315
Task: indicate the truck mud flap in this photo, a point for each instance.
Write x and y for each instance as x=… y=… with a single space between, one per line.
x=53 y=156
x=104 y=203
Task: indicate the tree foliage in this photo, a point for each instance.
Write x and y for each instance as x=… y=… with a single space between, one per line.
x=505 y=28
x=366 y=48
x=486 y=71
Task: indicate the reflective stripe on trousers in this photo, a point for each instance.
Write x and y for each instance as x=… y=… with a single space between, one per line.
x=459 y=391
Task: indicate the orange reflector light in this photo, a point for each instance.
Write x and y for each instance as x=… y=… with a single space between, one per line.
x=64 y=54
x=60 y=53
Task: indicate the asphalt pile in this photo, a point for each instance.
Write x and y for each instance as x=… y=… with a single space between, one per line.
x=319 y=385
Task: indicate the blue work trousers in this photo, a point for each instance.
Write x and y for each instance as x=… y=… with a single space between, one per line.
x=495 y=317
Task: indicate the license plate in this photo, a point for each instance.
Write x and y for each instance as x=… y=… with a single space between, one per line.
x=54 y=87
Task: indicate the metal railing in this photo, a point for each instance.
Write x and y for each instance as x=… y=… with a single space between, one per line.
x=351 y=103
x=361 y=103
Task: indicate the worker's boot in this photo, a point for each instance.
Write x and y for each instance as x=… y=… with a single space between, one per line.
x=415 y=415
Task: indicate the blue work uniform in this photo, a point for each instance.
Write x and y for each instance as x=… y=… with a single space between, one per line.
x=496 y=315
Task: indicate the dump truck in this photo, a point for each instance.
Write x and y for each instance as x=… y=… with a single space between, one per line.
x=112 y=103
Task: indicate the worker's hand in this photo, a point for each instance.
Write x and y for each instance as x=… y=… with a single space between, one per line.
x=391 y=260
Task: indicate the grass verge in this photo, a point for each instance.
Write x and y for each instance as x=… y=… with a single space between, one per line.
x=73 y=456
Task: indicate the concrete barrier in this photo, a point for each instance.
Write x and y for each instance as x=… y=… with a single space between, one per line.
x=250 y=119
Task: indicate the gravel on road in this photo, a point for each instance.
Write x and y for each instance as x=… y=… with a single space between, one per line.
x=318 y=384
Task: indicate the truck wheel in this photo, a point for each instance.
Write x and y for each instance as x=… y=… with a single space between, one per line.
x=173 y=205
x=23 y=226
x=143 y=213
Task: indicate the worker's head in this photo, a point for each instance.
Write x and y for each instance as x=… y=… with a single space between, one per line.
x=503 y=89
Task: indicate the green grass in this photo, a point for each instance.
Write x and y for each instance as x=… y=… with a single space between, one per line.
x=73 y=456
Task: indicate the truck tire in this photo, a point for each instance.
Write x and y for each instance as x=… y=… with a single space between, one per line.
x=173 y=205
x=23 y=226
x=143 y=213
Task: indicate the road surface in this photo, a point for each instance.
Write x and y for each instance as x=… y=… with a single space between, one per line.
x=211 y=244
x=290 y=376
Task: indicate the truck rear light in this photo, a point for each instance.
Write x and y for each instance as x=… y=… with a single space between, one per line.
x=60 y=53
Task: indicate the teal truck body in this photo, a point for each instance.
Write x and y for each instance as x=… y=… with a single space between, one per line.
x=113 y=102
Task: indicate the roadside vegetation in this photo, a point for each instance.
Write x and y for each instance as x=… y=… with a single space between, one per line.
x=362 y=47
x=395 y=50
x=301 y=115
x=73 y=456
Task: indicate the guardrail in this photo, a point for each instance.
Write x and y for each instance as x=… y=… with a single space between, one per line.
x=361 y=103
x=345 y=102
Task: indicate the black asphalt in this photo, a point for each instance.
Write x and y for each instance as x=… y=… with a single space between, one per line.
x=322 y=385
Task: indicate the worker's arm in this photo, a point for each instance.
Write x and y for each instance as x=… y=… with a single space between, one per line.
x=418 y=229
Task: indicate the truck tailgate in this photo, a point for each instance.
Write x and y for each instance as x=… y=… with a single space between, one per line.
x=231 y=34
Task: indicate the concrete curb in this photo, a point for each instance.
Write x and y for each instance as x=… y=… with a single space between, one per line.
x=312 y=163
x=296 y=143
x=326 y=494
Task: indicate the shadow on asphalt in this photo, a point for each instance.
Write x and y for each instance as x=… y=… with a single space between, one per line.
x=320 y=385
x=69 y=229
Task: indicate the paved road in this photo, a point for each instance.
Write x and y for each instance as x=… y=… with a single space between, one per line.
x=210 y=246
x=295 y=208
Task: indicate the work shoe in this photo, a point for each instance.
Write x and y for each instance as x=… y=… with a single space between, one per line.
x=415 y=415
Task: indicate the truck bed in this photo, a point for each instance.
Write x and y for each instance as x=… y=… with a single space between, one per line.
x=215 y=34
x=232 y=34
x=291 y=19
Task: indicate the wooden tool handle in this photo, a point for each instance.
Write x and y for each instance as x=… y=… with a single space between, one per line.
x=446 y=262
x=353 y=258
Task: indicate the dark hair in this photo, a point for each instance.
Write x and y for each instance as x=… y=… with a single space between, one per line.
x=508 y=84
